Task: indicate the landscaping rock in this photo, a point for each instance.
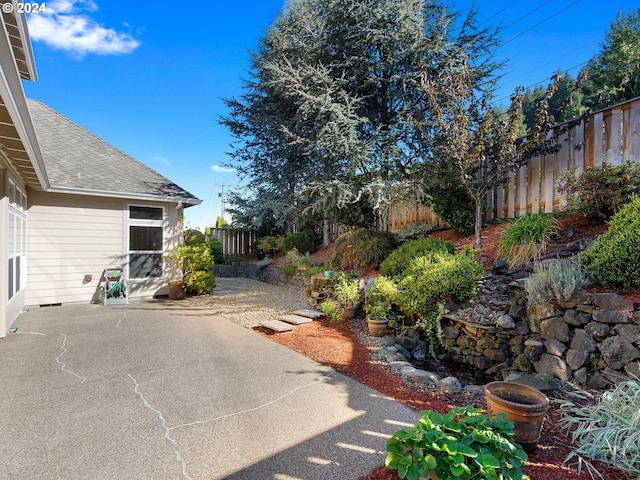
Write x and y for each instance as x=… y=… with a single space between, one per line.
x=544 y=311
x=598 y=381
x=506 y=322
x=450 y=384
x=517 y=312
x=629 y=331
x=611 y=316
x=618 y=352
x=583 y=341
x=422 y=377
x=407 y=342
x=577 y=358
x=555 y=328
x=611 y=301
x=554 y=366
x=555 y=347
x=598 y=330
x=581 y=376
x=576 y=318
x=500 y=267
x=633 y=369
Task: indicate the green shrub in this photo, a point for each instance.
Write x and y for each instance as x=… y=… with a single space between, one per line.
x=330 y=310
x=525 y=238
x=304 y=241
x=216 y=249
x=396 y=263
x=292 y=257
x=264 y=246
x=614 y=259
x=451 y=201
x=383 y=289
x=196 y=264
x=290 y=270
x=601 y=191
x=554 y=283
x=429 y=282
x=361 y=249
x=311 y=271
x=346 y=291
x=194 y=237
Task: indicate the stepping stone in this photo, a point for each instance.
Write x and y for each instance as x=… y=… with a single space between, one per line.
x=308 y=313
x=277 y=326
x=293 y=319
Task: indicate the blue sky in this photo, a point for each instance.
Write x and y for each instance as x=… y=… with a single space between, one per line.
x=148 y=76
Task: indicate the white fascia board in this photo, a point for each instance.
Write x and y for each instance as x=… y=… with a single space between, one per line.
x=187 y=202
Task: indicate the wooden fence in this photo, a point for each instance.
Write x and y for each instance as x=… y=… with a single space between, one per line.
x=608 y=136
x=234 y=242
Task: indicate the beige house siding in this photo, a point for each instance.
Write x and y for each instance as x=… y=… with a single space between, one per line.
x=72 y=236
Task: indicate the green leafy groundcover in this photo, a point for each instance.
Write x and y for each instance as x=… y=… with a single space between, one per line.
x=465 y=443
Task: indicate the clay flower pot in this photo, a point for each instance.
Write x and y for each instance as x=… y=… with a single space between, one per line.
x=177 y=290
x=347 y=313
x=525 y=407
x=377 y=326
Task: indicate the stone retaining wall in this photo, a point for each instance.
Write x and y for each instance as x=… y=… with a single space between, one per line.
x=269 y=274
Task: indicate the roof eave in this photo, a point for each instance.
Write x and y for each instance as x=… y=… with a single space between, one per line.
x=185 y=201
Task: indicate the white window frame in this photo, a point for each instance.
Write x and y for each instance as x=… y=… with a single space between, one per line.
x=16 y=239
x=137 y=222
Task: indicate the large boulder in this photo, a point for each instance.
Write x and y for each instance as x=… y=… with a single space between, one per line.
x=618 y=352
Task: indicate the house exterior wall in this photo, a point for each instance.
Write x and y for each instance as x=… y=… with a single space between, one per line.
x=72 y=236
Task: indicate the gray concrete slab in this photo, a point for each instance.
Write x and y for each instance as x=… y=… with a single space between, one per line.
x=169 y=390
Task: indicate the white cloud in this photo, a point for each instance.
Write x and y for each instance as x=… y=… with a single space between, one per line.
x=218 y=168
x=162 y=160
x=64 y=26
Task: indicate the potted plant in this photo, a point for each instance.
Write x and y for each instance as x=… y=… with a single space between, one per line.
x=379 y=316
x=465 y=443
x=347 y=294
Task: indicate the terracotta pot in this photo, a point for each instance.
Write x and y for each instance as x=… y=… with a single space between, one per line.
x=347 y=313
x=525 y=407
x=177 y=290
x=377 y=326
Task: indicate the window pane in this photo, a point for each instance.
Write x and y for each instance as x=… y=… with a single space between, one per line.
x=10 y=282
x=12 y=234
x=17 y=280
x=145 y=265
x=145 y=213
x=145 y=238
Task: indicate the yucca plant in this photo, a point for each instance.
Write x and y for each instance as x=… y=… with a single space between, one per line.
x=607 y=430
x=525 y=238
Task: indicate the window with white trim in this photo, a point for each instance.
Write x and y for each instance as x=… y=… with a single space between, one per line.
x=145 y=241
x=16 y=239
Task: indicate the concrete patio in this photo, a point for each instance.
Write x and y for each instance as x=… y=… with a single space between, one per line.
x=168 y=390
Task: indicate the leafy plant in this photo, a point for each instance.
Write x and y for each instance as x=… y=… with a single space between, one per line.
x=525 y=238
x=383 y=289
x=429 y=282
x=396 y=263
x=607 y=430
x=361 y=249
x=292 y=257
x=304 y=241
x=346 y=292
x=554 y=282
x=216 y=249
x=614 y=258
x=382 y=310
x=599 y=192
x=462 y=444
x=265 y=262
x=290 y=270
x=311 y=271
x=196 y=265
x=330 y=310
x=267 y=246
x=194 y=237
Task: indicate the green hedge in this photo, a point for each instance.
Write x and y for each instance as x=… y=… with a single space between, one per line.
x=614 y=259
x=398 y=261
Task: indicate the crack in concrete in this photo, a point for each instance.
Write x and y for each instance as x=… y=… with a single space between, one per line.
x=121 y=318
x=167 y=430
x=63 y=365
x=242 y=412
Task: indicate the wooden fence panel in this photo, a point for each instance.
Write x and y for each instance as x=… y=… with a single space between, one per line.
x=607 y=136
x=234 y=242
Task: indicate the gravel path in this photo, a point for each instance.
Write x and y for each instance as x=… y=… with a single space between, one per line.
x=248 y=302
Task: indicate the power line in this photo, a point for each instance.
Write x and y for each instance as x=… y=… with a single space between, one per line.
x=543 y=21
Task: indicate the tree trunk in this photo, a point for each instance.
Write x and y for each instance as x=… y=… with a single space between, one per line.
x=326 y=233
x=478 y=224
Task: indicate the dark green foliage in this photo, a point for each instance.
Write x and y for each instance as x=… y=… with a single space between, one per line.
x=614 y=259
x=216 y=249
x=600 y=191
x=196 y=264
x=450 y=199
x=397 y=262
x=430 y=281
x=304 y=241
x=194 y=237
x=290 y=270
x=361 y=249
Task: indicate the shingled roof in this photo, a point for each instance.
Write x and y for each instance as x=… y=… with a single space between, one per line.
x=77 y=161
